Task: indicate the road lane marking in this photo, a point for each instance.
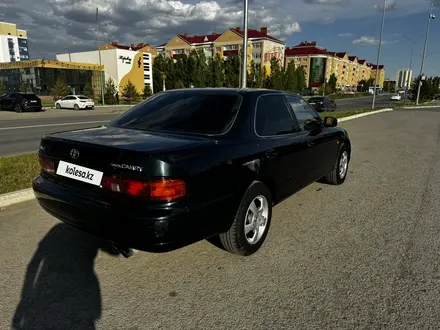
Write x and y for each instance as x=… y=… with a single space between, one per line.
x=52 y=125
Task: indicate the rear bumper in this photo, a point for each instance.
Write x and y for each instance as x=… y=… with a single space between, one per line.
x=86 y=105
x=117 y=224
x=36 y=107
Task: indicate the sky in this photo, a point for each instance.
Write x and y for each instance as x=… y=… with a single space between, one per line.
x=60 y=26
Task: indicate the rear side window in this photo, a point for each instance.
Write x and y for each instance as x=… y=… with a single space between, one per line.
x=317 y=99
x=273 y=116
x=30 y=97
x=185 y=112
x=307 y=117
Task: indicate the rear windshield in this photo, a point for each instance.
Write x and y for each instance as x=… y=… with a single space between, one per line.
x=183 y=112
x=29 y=96
x=316 y=99
x=82 y=97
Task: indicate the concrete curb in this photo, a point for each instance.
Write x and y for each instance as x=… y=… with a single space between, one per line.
x=16 y=197
x=28 y=194
x=421 y=106
x=364 y=114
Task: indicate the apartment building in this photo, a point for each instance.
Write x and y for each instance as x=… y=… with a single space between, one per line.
x=319 y=64
x=381 y=77
x=261 y=46
x=121 y=63
x=404 y=78
x=13 y=43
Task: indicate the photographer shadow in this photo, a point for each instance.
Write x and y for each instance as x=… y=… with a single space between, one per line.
x=61 y=289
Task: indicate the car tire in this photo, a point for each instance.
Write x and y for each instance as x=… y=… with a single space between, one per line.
x=338 y=175
x=76 y=107
x=57 y=105
x=18 y=108
x=254 y=213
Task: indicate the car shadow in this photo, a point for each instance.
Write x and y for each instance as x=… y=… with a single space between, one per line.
x=61 y=289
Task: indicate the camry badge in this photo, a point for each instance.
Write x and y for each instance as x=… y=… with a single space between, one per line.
x=74 y=153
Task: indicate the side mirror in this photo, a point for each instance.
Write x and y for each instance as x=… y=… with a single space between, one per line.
x=330 y=122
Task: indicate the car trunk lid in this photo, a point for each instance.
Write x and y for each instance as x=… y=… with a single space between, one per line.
x=113 y=150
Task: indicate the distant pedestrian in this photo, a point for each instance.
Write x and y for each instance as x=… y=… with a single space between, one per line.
x=117 y=97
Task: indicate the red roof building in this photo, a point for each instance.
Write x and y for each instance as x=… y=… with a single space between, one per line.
x=255 y=34
x=199 y=39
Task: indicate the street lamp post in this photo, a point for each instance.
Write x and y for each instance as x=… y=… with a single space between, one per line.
x=430 y=18
x=245 y=45
x=378 y=53
x=408 y=81
x=100 y=64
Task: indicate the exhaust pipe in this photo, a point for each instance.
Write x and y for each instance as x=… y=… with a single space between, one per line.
x=125 y=251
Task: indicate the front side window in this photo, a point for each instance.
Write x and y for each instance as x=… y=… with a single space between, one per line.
x=272 y=116
x=304 y=113
x=183 y=112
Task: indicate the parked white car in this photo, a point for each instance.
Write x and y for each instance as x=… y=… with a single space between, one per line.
x=75 y=102
x=396 y=97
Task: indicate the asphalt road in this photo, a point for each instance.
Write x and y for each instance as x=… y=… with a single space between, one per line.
x=383 y=100
x=21 y=133
x=364 y=255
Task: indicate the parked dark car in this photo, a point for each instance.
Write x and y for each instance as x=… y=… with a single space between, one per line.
x=322 y=103
x=19 y=102
x=188 y=165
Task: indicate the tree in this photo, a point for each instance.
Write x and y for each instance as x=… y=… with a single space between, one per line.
x=216 y=71
x=129 y=91
x=300 y=79
x=25 y=87
x=291 y=77
x=158 y=68
x=232 y=72
x=59 y=90
x=332 y=83
x=110 y=90
x=88 y=91
x=429 y=89
x=276 y=78
x=147 y=92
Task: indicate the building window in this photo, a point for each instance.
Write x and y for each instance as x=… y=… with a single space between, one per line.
x=178 y=51
x=230 y=47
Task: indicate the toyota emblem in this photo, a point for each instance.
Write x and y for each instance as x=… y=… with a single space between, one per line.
x=74 y=153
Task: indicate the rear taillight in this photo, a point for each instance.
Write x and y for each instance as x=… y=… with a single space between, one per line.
x=47 y=164
x=164 y=190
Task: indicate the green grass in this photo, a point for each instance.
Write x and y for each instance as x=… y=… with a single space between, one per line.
x=47 y=103
x=17 y=172
x=342 y=114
